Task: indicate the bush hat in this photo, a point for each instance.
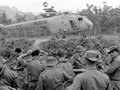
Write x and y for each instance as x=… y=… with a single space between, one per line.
x=51 y=61
x=79 y=48
x=92 y=55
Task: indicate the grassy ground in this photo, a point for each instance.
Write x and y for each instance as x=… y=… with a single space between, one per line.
x=42 y=39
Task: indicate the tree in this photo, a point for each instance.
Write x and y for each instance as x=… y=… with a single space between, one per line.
x=49 y=11
x=45 y=4
x=20 y=18
x=4 y=19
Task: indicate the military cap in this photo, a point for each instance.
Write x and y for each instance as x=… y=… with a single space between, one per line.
x=92 y=55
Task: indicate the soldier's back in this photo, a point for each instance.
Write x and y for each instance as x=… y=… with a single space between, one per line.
x=92 y=80
x=4 y=88
x=53 y=79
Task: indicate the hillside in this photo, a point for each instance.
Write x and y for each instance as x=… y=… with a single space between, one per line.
x=11 y=12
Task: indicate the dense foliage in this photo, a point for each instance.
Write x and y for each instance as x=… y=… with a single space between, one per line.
x=106 y=19
x=10 y=49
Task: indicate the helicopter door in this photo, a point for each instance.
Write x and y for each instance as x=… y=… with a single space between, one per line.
x=74 y=25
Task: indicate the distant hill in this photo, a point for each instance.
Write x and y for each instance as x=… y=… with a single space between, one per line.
x=11 y=12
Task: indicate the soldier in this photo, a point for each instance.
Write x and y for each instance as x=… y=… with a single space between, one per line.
x=18 y=52
x=69 y=53
x=64 y=64
x=92 y=79
x=8 y=77
x=77 y=59
x=33 y=69
x=21 y=74
x=52 y=78
x=5 y=88
x=106 y=57
x=20 y=68
x=114 y=69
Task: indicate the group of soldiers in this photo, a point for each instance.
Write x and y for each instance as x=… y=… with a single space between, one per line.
x=84 y=70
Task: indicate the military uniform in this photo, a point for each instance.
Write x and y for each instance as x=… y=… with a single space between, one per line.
x=114 y=72
x=77 y=61
x=11 y=78
x=8 y=77
x=91 y=79
x=33 y=69
x=67 y=66
x=21 y=74
x=6 y=88
x=52 y=78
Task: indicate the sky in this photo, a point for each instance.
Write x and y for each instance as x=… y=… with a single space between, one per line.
x=35 y=6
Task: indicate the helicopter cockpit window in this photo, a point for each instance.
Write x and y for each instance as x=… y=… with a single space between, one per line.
x=73 y=23
x=80 y=19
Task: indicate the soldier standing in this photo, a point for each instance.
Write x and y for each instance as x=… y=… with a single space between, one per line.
x=77 y=59
x=8 y=77
x=64 y=63
x=114 y=69
x=33 y=69
x=52 y=78
x=92 y=79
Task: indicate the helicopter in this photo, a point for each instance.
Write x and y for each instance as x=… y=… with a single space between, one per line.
x=46 y=27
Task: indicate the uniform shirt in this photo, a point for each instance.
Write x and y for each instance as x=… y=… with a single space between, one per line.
x=77 y=61
x=10 y=78
x=53 y=79
x=91 y=80
x=114 y=70
x=4 y=88
x=34 y=69
x=67 y=66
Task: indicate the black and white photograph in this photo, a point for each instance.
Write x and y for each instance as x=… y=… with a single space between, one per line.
x=59 y=45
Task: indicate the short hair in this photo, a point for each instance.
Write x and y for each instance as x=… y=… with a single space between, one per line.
x=18 y=50
x=61 y=53
x=35 y=53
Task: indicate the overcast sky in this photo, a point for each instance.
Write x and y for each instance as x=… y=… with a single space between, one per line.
x=35 y=6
